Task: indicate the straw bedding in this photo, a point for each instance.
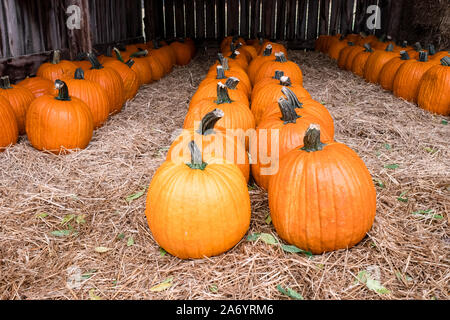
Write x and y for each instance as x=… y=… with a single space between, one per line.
x=406 y=252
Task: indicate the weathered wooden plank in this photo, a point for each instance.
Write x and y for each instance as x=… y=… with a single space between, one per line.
x=385 y=7
x=393 y=25
x=220 y=7
x=80 y=40
x=170 y=18
x=200 y=18
x=189 y=13
x=179 y=19
x=313 y=13
x=301 y=19
x=232 y=17
x=291 y=21
x=255 y=18
x=268 y=18
x=210 y=19
x=324 y=16
x=244 y=32
x=335 y=17
x=280 y=19
x=347 y=16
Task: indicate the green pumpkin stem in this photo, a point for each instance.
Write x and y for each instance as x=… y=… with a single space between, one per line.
x=278 y=75
x=445 y=61
x=267 y=51
x=56 y=57
x=140 y=53
x=431 y=49
x=232 y=83
x=196 y=157
x=404 y=44
x=130 y=63
x=351 y=44
x=220 y=73
x=285 y=81
x=280 y=57
x=404 y=55
x=423 y=56
x=118 y=54
x=63 y=91
x=287 y=110
x=79 y=74
x=389 y=47
x=367 y=47
x=5 y=83
x=292 y=98
x=417 y=46
x=222 y=94
x=234 y=54
x=209 y=121
x=311 y=141
x=94 y=61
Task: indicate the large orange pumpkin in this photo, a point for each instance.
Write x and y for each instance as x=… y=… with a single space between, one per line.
x=57 y=68
x=359 y=61
x=218 y=212
x=376 y=61
x=389 y=70
x=353 y=52
x=256 y=63
x=182 y=52
x=280 y=63
x=142 y=67
x=61 y=123
x=322 y=198
x=208 y=89
x=9 y=132
x=38 y=86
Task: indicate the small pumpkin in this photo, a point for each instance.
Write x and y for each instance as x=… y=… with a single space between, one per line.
x=280 y=63
x=353 y=52
x=61 y=123
x=57 y=68
x=336 y=47
x=142 y=67
x=376 y=61
x=208 y=89
x=359 y=62
x=322 y=198
x=9 y=131
x=256 y=63
x=389 y=70
x=343 y=55
x=38 y=86
x=182 y=52
x=19 y=98
x=218 y=212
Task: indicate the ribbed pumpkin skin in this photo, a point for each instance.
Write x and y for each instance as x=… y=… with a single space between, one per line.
x=20 y=99
x=324 y=200
x=407 y=78
x=290 y=136
x=63 y=70
x=210 y=91
x=375 y=63
x=83 y=64
x=55 y=125
x=210 y=82
x=290 y=69
x=359 y=63
x=38 y=86
x=388 y=72
x=263 y=98
x=255 y=65
x=353 y=52
x=433 y=94
x=164 y=58
x=156 y=67
x=244 y=81
x=9 y=132
x=276 y=47
x=182 y=53
x=110 y=80
x=194 y=213
x=439 y=55
x=143 y=70
x=94 y=96
x=129 y=78
x=216 y=145
x=343 y=54
x=335 y=49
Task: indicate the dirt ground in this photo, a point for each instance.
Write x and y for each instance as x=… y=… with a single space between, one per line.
x=70 y=230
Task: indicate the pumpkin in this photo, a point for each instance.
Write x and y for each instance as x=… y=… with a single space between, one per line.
x=19 y=98
x=9 y=131
x=359 y=62
x=389 y=70
x=165 y=55
x=156 y=67
x=208 y=89
x=407 y=78
x=200 y=208
x=92 y=94
x=237 y=115
x=57 y=68
x=353 y=52
x=142 y=67
x=433 y=93
x=38 y=86
x=280 y=63
x=275 y=136
x=227 y=64
x=182 y=53
x=256 y=63
x=433 y=55
x=376 y=61
x=214 y=141
x=336 y=47
x=265 y=96
x=81 y=62
x=240 y=59
x=129 y=77
x=343 y=54
x=276 y=47
x=236 y=73
x=414 y=51
x=251 y=51
x=110 y=80
x=322 y=198
x=61 y=123
x=191 y=45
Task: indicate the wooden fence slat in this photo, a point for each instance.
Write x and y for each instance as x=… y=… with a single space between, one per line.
x=347 y=16
x=313 y=12
x=301 y=19
x=393 y=25
x=291 y=23
x=170 y=31
x=220 y=7
x=210 y=20
x=179 y=18
x=385 y=8
x=335 y=18
x=255 y=22
x=268 y=16
x=200 y=16
x=232 y=17
x=324 y=12
x=189 y=13
x=281 y=19
x=244 y=18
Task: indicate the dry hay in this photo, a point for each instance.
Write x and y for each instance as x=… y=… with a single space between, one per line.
x=409 y=252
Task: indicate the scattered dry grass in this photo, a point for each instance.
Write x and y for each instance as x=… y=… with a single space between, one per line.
x=124 y=154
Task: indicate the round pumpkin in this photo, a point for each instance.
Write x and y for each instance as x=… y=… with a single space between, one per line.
x=280 y=63
x=239 y=74
x=218 y=212
x=9 y=132
x=336 y=47
x=353 y=52
x=376 y=61
x=142 y=67
x=182 y=52
x=389 y=70
x=19 y=98
x=343 y=55
x=208 y=89
x=57 y=68
x=322 y=198
x=359 y=62
x=38 y=86
x=61 y=123
x=256 y=63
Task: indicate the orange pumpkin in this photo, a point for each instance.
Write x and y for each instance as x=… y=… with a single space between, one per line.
x=58 y=124
x=142 y=67
x=256 y=63
x=359 y=62
x=208 y=89
x=236 y=73
x=389 y=70
x=57 y=68
x=9 y=132
x=353 y=52
x=38 y=86
x=376 y=61
x=280 y=63
x=343 y=55
x=182 y=53
x=322 y=198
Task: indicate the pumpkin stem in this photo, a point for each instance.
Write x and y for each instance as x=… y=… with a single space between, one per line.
x=279 y=57
x=141 y=53
x=56 y=57
x=81 y=56
x=367 y=47
x=404 y=55
x=232 y=83
x=232 y=46
x=287 y=110
x=94 y=61
x=155 y=44
x=118 y=54
x=129 y=63
x=222 y=94
x=196 y=157
x=220 y=73
x=445 y=61
x=292 y=98
x=404 y=44
x=423 y=56
x=209 y=121
x=234 y=54
x=431 y=49
x=5 y=83
x=267 y=51
x=278 y=75
x=225 y=64
x=390 y=47
x=351 y=44
x=417 y=46
x=63 y=91
x=285 y=81
x=311 y=141
x=79 y=74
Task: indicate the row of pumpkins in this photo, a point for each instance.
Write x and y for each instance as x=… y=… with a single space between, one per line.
x=60 y=108
x=410 y=72
x=321 y=195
